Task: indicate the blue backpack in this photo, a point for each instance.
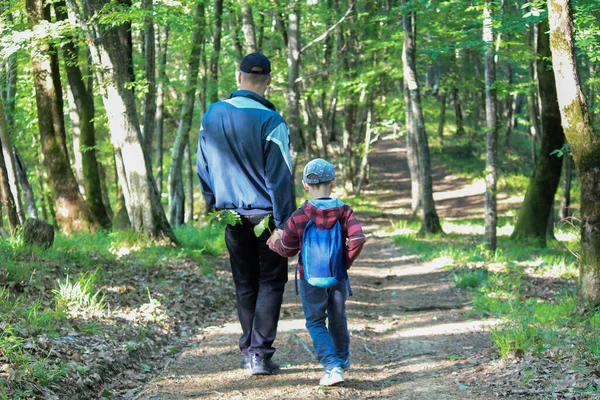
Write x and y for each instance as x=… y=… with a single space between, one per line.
x=323 y=256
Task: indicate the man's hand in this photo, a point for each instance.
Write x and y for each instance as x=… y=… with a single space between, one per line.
x=275 y=236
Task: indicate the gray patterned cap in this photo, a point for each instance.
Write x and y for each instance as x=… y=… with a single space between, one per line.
x=318 y=171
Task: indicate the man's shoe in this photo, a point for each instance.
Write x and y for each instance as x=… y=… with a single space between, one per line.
x=246 y=363
x=260 y=366
x=332 y=377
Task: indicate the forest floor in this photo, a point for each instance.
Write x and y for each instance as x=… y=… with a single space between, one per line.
x=411 y=334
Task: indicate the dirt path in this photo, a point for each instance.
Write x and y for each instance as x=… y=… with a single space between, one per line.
x=410 y=336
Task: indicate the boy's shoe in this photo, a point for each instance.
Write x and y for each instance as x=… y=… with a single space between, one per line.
x=246 y=363
x=332 y=377
x=345 y=365
x=261 y=366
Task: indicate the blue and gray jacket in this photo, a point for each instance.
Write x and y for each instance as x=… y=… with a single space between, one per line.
x=244 y=161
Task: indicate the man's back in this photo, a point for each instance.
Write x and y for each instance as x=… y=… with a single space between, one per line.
x=244 y=156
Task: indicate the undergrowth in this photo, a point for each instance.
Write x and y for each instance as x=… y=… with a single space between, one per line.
x=51 y=292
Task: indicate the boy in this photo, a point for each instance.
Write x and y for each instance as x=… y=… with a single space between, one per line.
x=319 y=303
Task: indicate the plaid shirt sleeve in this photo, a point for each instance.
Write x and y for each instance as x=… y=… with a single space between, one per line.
x=355 y=238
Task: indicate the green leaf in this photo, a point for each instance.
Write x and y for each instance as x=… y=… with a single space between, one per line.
x=264 y=224
x=106 y=394
x=146 y=367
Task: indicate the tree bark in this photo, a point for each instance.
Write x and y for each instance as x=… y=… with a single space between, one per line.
x=216 y=54
x=139 y=189
x=539 y=198
x=85 y=114
x=73 y=213
x=160 y=107
x=149 y=106
x=186 y=113
x=5 y=188
x=431 y=221
x=248 y=28
x=293 y=62
x=442 y=118
x=32 y=211
x=583 y=141
x=189 y=186
x=565 y=202
x=491 y=174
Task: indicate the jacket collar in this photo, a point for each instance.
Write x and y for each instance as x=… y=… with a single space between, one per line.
x=253 y=96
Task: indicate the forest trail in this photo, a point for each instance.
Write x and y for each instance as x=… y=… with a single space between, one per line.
x=411 y=337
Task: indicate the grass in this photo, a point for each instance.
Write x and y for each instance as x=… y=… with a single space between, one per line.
x=51 y=292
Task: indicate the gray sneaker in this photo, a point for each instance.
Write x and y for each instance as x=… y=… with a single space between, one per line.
x=332 y=377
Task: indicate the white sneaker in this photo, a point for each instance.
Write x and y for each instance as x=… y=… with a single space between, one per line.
x=332 y=377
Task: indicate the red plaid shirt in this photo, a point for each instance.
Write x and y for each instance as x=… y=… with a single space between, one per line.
x=352 y=234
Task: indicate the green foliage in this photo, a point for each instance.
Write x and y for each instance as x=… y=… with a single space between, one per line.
x=470 y=278
x=80 y=295
x=262 y=226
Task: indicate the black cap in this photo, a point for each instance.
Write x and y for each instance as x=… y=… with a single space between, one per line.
x=256 y=60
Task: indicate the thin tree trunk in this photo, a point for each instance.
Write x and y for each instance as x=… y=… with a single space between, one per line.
x=85 y=113
x=32 y=211
x=584 y=143
x=7 y=196
x=293 y=62
x=537 y=205
x=431 y=222
x=139 y=189
x=149 y=107
x=186 y=113
x=366 y=149
x=510 y=108
x=491 y=177
x=248 y=27
x=234 y=24
x=442 y=118
x=565 y=202
x=74 y=213
x=214 y=59
x=160 y=107
x=189 y=186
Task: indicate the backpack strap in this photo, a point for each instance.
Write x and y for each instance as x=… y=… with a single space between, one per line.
x=349 y=288
x=296 y=280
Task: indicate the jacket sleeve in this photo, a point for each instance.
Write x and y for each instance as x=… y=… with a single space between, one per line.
x=202 y=171
x=278 y=173
x=355 y=238
x=289 y=245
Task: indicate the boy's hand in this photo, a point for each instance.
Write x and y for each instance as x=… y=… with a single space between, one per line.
x=275 y=236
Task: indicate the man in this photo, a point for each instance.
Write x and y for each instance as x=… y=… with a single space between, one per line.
x=244 y=165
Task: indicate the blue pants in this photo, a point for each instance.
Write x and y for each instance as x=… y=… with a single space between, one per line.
x=259 y=275
x=332 y=342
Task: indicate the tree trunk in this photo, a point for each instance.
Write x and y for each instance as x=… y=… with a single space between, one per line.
x=214 y=59
x=189 y=186
x=293 y=62
x=537 y=205
x=583 y=141
x=32 y=211
x=139 y=189
x=160 y=107
x=234 y=24
x=412 y=155
x=149 y=107
x=186 y=113
x=248 y=28
x=73 y=213
x=442 y=118
x=565 y=202
x=84 y=106
x=366 y=149
x=511 y=105
x=7 y=196
x=431 y=221
x=491 y=212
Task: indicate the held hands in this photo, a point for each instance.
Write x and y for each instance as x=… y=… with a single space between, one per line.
x=275 y=237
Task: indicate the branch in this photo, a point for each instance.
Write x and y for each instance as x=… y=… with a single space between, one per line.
x=328 y=31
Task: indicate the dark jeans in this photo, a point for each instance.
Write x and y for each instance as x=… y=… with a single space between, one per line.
x=260 y=276
x=332 y=340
